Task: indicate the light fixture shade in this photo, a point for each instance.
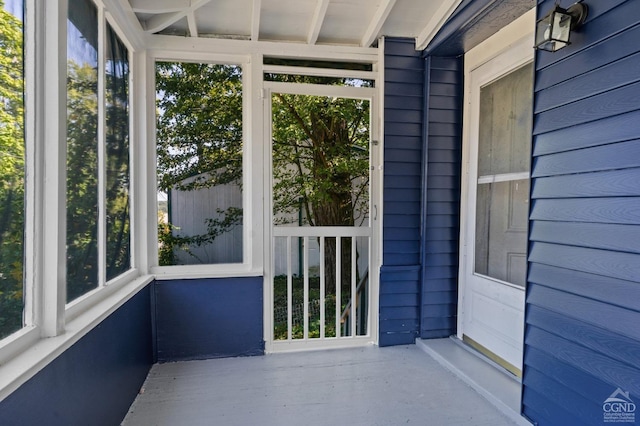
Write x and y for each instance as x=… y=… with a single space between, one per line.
x=553 y=31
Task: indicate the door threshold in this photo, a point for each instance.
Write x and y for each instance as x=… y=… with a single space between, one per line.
x=484 y=353
x=499 y=387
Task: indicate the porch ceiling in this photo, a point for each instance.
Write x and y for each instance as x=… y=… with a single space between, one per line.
x=327 y=22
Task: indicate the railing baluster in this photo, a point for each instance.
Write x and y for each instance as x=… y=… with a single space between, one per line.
x=352 y=320
x=322 y=289
x=354 y=284
x=273 y=288
x=338 y=279
x=289 y=291
x=305 y=263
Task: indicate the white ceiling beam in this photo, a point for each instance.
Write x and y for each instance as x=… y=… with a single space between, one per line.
x=437 y=20
x=381 y=15
x=121 y=12
x=166 y=46
x=255 y=19
x=159 y=6
x=163 y=20
x=317 y=20
x=193 y=25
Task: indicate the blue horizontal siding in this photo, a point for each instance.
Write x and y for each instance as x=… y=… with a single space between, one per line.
x=403 y=127
x=399 y=304
x=611 y=183
x=441 y=197
x=600 y=80
x=623 y=210
x=622 y=155
x=598 y=133
x=613 y=102
x=582 y=339
x=608 y=290
x=606 y=236
x=595 y=337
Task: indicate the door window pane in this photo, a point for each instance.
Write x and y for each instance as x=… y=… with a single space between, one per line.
x=12 y=162
x=502 y=198
x=505 y=124
x=501 y=230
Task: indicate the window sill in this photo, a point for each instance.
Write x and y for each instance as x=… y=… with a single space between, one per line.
x=26 y=354
x=205 y=271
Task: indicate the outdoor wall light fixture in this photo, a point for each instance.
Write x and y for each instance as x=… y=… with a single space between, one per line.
x=552 y=31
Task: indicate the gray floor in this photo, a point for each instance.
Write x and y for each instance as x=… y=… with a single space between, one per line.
x=365 y=386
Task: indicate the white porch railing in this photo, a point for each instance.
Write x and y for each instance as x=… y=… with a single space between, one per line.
x=316 y=304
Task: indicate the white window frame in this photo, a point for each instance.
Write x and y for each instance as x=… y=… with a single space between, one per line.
x=504 y=52
x=251 y=264
x=82 y=303
x=50 y=325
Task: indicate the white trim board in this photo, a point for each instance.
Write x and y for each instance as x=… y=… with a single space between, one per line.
x=497 y=386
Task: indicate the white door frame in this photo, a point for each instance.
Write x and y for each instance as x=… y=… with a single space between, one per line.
x=502 y=53
x=375 y=185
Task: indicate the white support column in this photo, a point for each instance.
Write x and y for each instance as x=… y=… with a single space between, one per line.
x=34 y=130
x=55 y=173
x=254 y=145
x=102 y=152
x=143 y=189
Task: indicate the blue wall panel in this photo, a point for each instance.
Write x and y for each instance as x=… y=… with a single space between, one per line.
x=418 y=294
x=441 y=196
x=582 y=340
x=209 y=318
x=95 y=381
x=400 y=272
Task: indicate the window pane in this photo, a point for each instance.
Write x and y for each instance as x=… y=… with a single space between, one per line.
x=199 y=152
x=505 y=124
x=501 y=230
x=117 y=141
x=12 y=175
x=502 y=202
x=82 y=148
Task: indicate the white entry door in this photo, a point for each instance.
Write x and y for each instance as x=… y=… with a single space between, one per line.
x=495 y=202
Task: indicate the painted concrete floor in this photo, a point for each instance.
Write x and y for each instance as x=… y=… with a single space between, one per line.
x=365 y=386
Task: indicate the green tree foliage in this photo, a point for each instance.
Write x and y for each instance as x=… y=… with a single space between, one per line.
x=321 y=164
x=199 y=142
x=12 y=154
x=82 y=179
x=117 y=158
x=320 y=151
x=321 y=159
x=199 y=132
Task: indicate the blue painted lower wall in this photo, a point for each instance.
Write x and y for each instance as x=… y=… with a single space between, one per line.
x=208 y=318
x=95 y=381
